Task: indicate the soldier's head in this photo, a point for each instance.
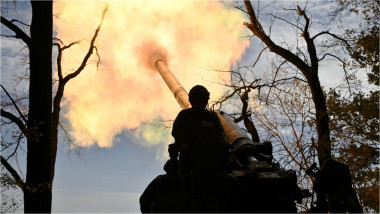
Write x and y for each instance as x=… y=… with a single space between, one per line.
x=199 y=96
x=167 y=167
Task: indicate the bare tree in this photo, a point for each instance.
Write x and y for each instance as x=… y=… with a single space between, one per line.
x=289 y=111
x=307 y=62
x=40 y=125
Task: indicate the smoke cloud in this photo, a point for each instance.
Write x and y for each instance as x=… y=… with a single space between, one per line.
x=125 y=93
x=148 y=53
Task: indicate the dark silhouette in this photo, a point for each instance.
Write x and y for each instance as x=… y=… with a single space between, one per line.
x=218 y=171
x=200 y=135
x=199 y=181
x=40 y=125
x=36 y=126
x=222 y=174
x=333 y=181
x=197 y=123
x=158 y=196
x=206 y=185
x=309 y=67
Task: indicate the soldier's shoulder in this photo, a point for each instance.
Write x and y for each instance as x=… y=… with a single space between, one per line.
x=213 y=113
x=185 y=111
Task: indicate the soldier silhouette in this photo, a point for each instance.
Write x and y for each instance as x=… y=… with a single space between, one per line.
x=203 y=160
x=202 y=184
x=200 y=135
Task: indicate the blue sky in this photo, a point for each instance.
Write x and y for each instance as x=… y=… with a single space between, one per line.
x=112 y=179
x=104 y=180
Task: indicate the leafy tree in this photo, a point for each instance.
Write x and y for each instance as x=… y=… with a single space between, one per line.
x=355 y=134
x=304 y=60
x=354 y=118
x=40 y=125
x=366 y=37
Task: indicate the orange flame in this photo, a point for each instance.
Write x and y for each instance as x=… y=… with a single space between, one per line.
x=193 y=36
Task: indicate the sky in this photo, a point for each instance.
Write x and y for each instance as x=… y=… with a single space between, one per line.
x=109 y=111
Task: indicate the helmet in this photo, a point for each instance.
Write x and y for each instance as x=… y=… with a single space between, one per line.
x=199 y=96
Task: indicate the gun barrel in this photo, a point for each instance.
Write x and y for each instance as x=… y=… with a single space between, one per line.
x=238 y=141
x=236 y=138
x=175 y=87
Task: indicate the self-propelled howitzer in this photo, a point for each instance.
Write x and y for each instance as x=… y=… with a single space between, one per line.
x=239 y=143
x=264 y=186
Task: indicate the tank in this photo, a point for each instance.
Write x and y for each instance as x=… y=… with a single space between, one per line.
x=253 y=182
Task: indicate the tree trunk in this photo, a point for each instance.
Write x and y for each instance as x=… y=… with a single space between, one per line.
x=38 y=193
x=309 y=71
x=321 y=118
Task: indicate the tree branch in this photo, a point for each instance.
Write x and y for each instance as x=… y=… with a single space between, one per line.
x=14 y=104
x=254 y=64
x=19 y=33
x=16 y=120
x=241 y=9
x=15 y=20
x=247 y=121
x=59 y=65
x=258 y=30
x=285 y=21
x=8 y=36
x=275 y=76
x=97 y=54
x=89 y=53
x=18 y=144
x=59 y=57
x=310 y=43
x=64 y=80
x=69 y=140
x=71 y=44
x=336 y=37
x=344 y=68
x=18 y=181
